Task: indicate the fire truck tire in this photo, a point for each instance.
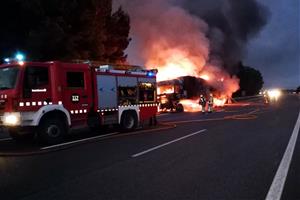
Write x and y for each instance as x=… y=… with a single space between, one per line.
x=15 y=135
x=52 y=131
x=129 y=121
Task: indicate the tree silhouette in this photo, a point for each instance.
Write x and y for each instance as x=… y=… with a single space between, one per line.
x=118 y=36
x=64 y=30
x=251 y=81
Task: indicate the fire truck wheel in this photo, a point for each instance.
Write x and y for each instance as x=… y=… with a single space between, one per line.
x=52 y=131
x=129 y=121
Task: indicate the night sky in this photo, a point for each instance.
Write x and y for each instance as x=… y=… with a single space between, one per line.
x=276 y=50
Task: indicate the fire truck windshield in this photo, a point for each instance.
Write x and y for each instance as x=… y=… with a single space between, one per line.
x=8 y=77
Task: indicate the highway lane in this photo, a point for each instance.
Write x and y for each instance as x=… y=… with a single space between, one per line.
x=231 y=159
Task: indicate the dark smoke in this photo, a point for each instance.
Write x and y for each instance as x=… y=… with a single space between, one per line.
x=232 y=23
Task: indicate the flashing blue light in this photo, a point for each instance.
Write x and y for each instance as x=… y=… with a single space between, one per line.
x=20 y=57
x=7 y=60
x=150 y=74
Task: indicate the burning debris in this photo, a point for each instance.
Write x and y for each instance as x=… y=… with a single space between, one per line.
x=168 y=37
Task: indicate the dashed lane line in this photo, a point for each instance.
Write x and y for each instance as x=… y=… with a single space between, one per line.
x=167 y=143
x=62 y=146
x=107 y=136
x=77 y=141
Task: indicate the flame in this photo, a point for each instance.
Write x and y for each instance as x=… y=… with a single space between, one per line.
x=174 y=63
x=177 y=49
x=219 y=102
x=163 y=99
x=205 y=77
x=165 y=89
x=181 y=64
x=190 y=105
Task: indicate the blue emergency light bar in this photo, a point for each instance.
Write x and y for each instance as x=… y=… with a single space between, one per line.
x=150 y=74
x=19 y=57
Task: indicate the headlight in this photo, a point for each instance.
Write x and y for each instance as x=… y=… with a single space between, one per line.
x=274 y=93
x=11 y=119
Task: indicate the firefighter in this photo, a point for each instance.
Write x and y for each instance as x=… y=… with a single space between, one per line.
x=210 y=103
x=202 y=103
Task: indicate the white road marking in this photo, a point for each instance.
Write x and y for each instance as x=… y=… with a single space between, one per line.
x=78 y=141
x=167 y=143
x=5 y=139
x=278 y=183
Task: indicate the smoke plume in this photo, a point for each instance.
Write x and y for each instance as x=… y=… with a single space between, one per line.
x=232 y=23
x=199 y=38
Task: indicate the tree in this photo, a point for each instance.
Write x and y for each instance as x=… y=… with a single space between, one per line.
x=118 y=36
x=251 y=81
x=64 y=30
x=298 y=89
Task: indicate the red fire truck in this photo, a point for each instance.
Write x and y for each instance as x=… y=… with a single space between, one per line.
x=47 y=99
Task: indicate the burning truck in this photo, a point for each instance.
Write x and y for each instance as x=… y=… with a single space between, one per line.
x=180 y=42
x=182 y=94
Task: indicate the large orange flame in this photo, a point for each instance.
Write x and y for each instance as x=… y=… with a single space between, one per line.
x=174 y=63
x=165 y=90
x=175 y=42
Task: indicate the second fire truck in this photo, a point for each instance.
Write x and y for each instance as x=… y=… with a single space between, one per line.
x=47 y=99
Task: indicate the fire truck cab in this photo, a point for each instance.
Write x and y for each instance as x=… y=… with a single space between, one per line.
x=47 y=99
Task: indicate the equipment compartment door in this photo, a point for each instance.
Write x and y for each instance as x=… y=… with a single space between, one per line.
x=107 y=91
x=77 y=93
x=37 y=87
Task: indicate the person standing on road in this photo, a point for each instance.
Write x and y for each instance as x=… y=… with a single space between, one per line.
x=210 y=103
x=202 y=103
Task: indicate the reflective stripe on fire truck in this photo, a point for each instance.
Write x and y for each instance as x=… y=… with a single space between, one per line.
x=135 y=108
x=39 y=103
x=128 y=107
x=148 y=105
x=78 y=111
x=108 y=110
x=33 y=118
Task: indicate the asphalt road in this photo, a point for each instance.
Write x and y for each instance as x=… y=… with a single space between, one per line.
x=233 y=153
